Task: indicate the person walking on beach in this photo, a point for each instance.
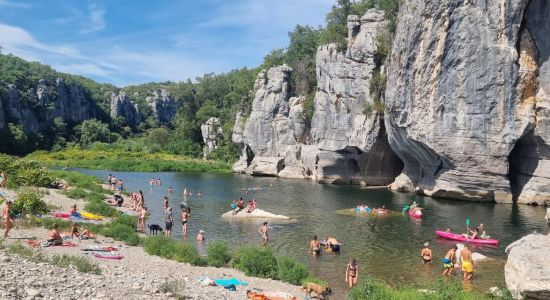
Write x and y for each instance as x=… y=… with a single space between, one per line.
x=141 y=219
x=467 y=262
x=448 y=261
x=185 y=214
x=426 y=254
x=8 y=221
x=113 y=183
x=264 y=231
x=352 y=273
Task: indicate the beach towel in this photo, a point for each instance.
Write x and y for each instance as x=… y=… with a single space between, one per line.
x=270 y=296
x=100 y=248
x=36 y=243
x=229 y=281
x=107 y=255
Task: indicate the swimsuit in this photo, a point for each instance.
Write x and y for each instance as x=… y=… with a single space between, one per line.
x=352 y=270
x=426 y=260
x=447 y=263
x=467 y=267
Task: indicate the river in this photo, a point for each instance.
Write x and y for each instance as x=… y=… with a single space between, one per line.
x=386 y=247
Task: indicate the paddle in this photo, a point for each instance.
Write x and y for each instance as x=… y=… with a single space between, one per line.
x=467 y=227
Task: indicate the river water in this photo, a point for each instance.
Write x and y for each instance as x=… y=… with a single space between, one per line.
x=386 y=247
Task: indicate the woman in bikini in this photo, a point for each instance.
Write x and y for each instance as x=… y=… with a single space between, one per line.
x=185 y=214
x=352 y=273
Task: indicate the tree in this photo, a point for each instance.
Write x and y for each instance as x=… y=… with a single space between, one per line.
x=93 y=130
x=159 y=136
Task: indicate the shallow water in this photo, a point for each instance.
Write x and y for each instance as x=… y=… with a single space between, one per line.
x=386 y=247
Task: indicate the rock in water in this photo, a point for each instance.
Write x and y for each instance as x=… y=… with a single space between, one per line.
x=527 y=270
x=467 y=99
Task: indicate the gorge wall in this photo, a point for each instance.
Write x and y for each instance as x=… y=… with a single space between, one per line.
x=468 y=99
x=342 y=144
x=466 y=108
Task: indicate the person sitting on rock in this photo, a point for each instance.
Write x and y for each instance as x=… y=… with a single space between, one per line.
x=54 y=237
x=252 y=206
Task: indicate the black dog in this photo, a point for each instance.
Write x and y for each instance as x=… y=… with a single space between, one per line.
x=154 y=229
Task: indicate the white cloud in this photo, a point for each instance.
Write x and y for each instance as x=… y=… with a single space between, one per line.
x=96 y=19
x=13 y=4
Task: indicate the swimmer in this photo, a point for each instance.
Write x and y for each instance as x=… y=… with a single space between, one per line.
x=170 y=190
x=264 y=231
x=200 y=236
x=315 y=246
x=426 y=254
x=467 y=262
x=448 y=261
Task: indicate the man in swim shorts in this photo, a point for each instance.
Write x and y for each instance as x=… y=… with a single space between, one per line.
x=426 y=254
x=448 y=261
x=467 y=262
x=169 y=221
x=333 y=244
x=315 y=246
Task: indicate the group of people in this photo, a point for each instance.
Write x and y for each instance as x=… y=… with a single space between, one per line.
x=476 y=233
x=114 y=184
x=450 y=261
x=185 y=216
x=363 y=208
x=154 y=181
x=238 y=205
x=188 y=192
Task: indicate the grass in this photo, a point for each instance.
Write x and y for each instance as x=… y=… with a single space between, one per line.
x=27 y=253
x=172 y=249
x=120 y=160
x=77 y=193
x=81 y=181
x=80 y=263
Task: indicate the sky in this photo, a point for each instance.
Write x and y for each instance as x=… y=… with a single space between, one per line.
x=128 y=42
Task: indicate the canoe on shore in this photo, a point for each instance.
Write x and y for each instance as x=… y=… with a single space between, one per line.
x=457 y=237
x=257 y=213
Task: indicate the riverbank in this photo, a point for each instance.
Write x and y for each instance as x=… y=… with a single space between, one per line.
x=120 y=160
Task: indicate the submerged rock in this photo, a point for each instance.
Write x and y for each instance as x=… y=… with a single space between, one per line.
x=527 y=270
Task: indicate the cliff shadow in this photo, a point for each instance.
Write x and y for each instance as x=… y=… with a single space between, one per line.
x=523 y=160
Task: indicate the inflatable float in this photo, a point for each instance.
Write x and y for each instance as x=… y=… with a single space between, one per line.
x=416 y=213
x=457 y=237
x=257 y=213
x=90 y=216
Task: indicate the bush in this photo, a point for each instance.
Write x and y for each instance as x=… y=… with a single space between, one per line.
x=121 y=232
x=29 y=203
x=218 y=254
x=171 y=249
x=255 y=261
x=81 y=264
x=186 y=252
x=101 y=208
x=159 y=246
x=369 y=288
x=77 y=193
x=291 y=271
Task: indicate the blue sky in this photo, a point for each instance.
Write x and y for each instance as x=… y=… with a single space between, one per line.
x=129 y=42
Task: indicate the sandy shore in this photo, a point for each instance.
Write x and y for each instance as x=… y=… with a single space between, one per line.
x=137 y=276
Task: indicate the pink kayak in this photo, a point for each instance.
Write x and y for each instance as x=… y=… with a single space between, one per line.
x=458 y=237
x=415 y=215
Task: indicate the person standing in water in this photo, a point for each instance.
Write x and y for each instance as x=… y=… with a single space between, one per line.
x=426 y=254
x=264 y=231
x=315 y=246
x=333 y=244
x=448 y=261
x=352 y=273
x=185 y=214
x=8 y=221
x=467 y=262
x=168 y=220
x=200 y=236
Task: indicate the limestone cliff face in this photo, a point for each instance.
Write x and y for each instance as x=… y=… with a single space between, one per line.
x=212 y=135
x=122 y=106
x=163 y=105
x=468 y=99
x=344 y=145
x=34 y=114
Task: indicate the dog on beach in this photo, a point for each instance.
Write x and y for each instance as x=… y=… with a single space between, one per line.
x=321 y=291
x=154 y=229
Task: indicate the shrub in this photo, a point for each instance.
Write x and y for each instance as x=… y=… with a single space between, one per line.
x=255 y=261
x=77 y=193
x=100 y=208
x=174 y=287
x=315 y=280
x=186 y=252
x=81 y=264
x=218 y=254
x=29 y=203
x=159 y=246
x=27 y=253
x=121 y=232
x=291 y=271
x=369 y=288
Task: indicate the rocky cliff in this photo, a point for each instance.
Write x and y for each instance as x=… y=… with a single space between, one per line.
x=343 y=144
x=43 y=104
x=122 y=106
x=212 y=135
x=468 y=100
x=163 y=105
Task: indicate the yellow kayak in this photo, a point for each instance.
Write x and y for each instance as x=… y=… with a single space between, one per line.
x=90 y=216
